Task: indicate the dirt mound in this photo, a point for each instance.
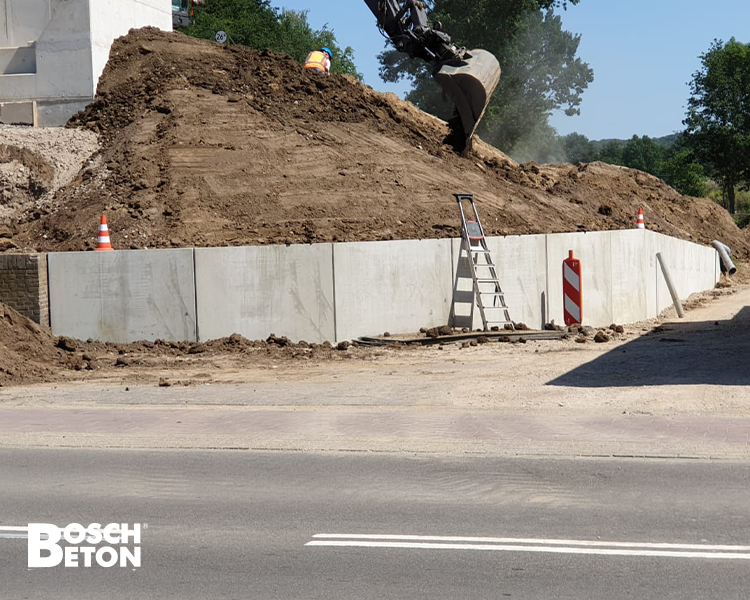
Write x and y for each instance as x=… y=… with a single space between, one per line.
x=209 y=145
x=24 y=177
x=34 y=164
x=31 y=354
x=27 y=351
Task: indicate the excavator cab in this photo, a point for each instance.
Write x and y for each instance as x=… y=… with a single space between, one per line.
x=182 y=12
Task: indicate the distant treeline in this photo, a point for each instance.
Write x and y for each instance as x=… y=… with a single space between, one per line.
x=666 y=157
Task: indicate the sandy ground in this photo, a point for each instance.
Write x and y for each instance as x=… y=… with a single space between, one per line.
x=691 y=366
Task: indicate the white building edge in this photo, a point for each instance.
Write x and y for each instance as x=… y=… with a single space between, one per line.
x=52 y=52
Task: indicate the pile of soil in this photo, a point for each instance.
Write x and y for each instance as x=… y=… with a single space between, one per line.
x=34 y=164
x=211 y=145
x=24 y=177
x=27 y=351
x=31 y=354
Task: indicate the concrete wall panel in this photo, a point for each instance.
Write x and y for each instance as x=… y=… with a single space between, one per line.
x=632 y=269
x=693 y=268
x=259 y=290
x=396 y=286
x=22 y=21
x=123 y=296
x=521 y=262
x=594 y=251
x=522 y=270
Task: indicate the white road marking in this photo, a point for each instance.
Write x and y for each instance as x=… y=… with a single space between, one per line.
x=13 y=533
x=496 y=540
x=554 y=546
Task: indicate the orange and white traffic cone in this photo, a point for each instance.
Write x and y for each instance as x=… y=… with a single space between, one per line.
x=641 y=224
x=103 y=241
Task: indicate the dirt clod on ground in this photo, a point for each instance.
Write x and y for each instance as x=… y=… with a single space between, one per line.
x=212 y=145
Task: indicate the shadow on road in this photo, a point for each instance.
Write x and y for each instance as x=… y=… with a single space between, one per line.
x=691 y=353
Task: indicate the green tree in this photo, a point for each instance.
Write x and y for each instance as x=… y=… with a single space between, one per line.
x=718 y=118
x=541 y=72
x=255 y=23
x=578 y=148
x=611 y=153
x=644 y=154
x=681 y=171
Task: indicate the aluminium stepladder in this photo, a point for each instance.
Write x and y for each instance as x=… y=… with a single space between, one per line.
x=483 y=274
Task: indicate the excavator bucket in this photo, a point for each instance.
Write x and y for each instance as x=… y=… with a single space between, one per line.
x=469 y=83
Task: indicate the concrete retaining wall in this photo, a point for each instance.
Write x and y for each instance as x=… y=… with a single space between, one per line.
x=259 y=290
x=396 y=286
x=123 y=296
x=341 y=291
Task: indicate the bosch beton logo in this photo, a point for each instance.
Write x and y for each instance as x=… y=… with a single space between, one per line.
x=107 y=546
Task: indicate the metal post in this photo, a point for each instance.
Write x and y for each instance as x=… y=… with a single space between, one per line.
x=670 y=287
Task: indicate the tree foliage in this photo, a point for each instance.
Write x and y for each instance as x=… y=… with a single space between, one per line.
x=540 y=70
x=255 y=23
x=667 y=158
x=643 y=153
x=684 y=173
x=718 y=119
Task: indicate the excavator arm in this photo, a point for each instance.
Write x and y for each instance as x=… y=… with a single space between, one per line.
x=468 y=77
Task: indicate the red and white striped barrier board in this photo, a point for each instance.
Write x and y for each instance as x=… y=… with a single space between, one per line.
x=572 y=290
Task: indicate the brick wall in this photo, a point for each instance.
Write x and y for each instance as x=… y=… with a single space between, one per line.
x=23 y=285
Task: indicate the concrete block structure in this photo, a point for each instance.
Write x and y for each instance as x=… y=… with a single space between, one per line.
x=690 y=265
x=23 y=285
x=52 y=52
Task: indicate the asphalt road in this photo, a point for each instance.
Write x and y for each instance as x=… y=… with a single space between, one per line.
x=293 y=525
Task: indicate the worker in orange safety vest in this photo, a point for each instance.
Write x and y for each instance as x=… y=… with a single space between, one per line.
x=319 y=60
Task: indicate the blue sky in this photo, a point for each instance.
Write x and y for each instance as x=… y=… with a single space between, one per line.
x=643 y=53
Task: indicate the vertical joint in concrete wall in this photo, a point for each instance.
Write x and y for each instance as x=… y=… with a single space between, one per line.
x=545 y=300
x=333 y=276
x=195 y=297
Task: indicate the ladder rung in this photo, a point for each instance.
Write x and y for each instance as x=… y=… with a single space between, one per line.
x=480 y=251
x=488 y=281
x=484 y=265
